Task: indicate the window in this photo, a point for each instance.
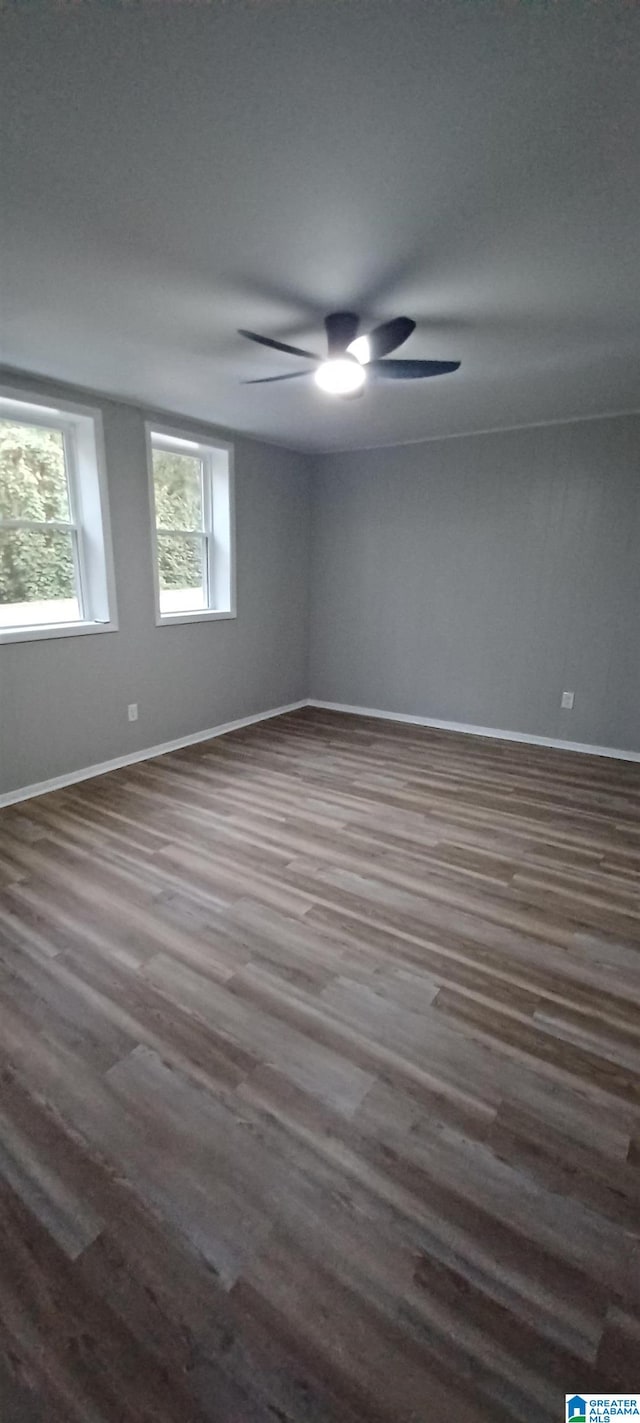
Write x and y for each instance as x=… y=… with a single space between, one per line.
x=55 y=557
x=192 y=500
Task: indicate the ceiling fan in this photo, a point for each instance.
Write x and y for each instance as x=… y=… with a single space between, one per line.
x=351 y=358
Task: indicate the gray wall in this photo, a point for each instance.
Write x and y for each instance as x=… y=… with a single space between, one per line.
x=466 y=579
x=63 y=702
x=474 y=579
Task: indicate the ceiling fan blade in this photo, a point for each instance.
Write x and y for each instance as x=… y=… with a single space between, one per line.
x=279 y=345
x=386 y=338
x=341 y=328
x=268 y=380
x=412 y=370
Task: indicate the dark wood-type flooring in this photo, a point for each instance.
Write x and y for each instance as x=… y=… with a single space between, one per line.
x=320 y=1083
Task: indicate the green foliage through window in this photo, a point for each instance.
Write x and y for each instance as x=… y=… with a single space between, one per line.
x=178 y=496
x=34 y=563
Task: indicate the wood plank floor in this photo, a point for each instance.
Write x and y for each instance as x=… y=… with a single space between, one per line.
x=320 y=1083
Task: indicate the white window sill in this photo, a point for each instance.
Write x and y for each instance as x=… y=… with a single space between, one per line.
x=39 y=631
x=202 y=615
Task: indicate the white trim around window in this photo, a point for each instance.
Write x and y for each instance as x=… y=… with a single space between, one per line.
x=214 y=530
x=88 y=524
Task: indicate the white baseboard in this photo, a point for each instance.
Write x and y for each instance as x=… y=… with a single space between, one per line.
x=69 y=779
x=147 y=753
x=491 y=731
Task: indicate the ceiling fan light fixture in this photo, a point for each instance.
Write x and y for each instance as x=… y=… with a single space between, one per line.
x=352 y=359
x=361 y=349
x=341 y=376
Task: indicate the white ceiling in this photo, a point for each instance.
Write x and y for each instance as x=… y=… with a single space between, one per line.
x=171 y=173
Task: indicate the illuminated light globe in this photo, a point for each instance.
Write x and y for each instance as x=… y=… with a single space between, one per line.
x=342 y=376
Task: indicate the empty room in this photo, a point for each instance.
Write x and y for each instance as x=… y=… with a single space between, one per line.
x=319 y=711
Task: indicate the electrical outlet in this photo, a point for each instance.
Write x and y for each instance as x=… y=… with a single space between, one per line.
x=567 y=700
x=132 y=711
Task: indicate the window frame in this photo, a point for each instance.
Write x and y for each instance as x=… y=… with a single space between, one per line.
x=218 y=532
x=89 y=520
